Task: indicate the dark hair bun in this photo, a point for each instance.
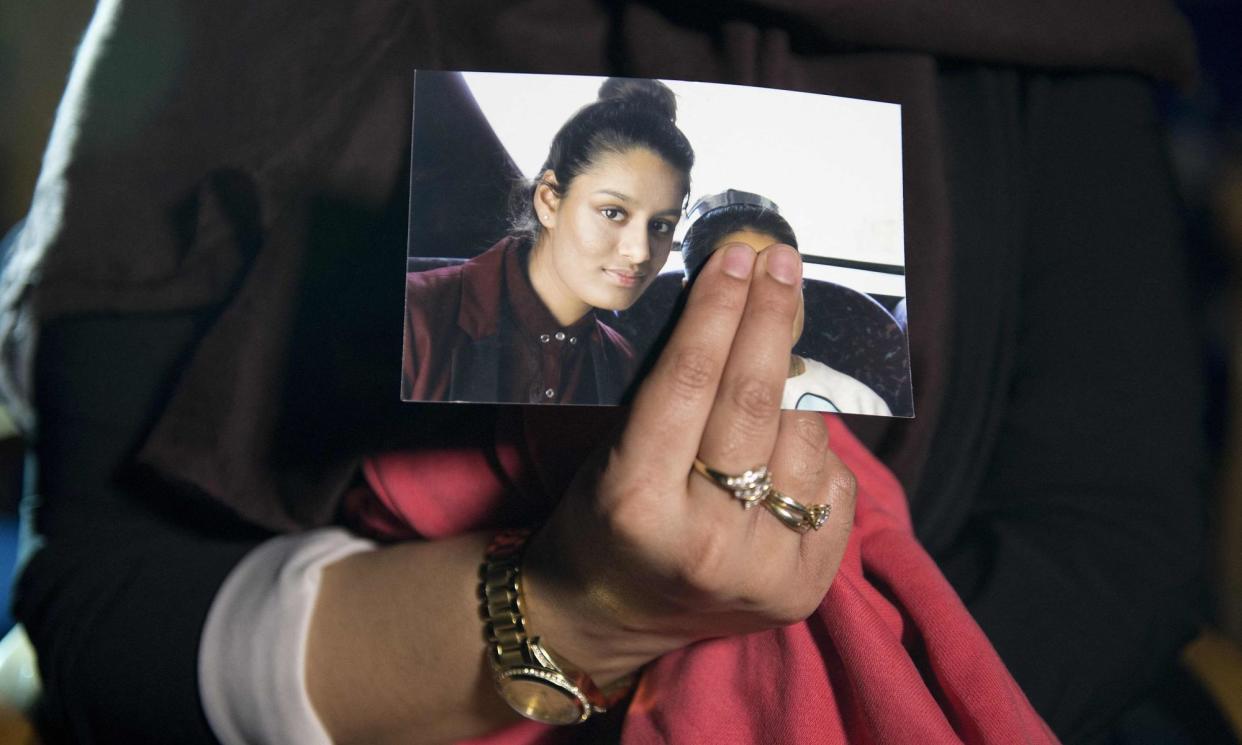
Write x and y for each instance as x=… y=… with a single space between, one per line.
x=648 y=94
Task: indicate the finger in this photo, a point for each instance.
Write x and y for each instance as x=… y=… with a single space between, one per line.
x=741 y=429
x=799 y=469
x=799 y=464
x=807 y=471
x=673 y=403
x=801 y=563
x=823 y=549
x=841 y=495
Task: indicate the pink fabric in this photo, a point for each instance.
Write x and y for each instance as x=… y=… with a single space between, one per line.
x=891 y=656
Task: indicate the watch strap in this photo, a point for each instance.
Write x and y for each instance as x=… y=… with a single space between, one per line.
x=511 y=650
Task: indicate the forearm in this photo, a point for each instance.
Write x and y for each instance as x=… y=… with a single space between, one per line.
x=395 y=650
x=383 y=663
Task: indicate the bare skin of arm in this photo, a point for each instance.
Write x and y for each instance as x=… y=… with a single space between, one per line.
x=396 y=646
x=640 y=557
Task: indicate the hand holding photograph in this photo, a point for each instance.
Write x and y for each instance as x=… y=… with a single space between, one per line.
x=558 y=219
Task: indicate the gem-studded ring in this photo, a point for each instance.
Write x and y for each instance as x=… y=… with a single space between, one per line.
x=749 y=487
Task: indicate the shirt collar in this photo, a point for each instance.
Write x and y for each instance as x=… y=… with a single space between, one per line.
x=530 y=314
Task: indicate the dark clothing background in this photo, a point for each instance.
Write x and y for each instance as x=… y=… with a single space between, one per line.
x=211 y=265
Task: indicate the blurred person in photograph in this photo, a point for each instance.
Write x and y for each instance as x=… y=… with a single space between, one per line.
x=735 y=216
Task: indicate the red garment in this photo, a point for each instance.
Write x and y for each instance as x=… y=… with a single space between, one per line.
x=478 y=332
x=891 y=656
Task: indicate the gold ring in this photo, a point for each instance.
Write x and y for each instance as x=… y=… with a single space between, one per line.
x=750 y=487
x=792 y=520
x=794 y=514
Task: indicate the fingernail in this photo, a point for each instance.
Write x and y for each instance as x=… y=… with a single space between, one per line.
x=739 y=260
x=784 y=264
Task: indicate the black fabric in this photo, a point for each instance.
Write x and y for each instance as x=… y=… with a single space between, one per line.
x=119 y=581
x=1083 y=537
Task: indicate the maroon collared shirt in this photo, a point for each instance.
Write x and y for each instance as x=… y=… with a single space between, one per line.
x=478 y=332
x=542 y=361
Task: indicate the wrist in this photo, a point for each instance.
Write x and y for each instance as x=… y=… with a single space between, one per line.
x=536 y=681
x=583 y=619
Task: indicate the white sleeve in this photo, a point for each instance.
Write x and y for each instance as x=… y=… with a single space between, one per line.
x=252 y=660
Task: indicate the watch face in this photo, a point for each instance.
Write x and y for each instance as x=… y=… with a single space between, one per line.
x=535 y=694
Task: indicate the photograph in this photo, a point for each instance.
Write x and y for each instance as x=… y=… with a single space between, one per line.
x=557 y=220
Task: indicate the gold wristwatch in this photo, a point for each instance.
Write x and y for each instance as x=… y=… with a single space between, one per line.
x=534 y=680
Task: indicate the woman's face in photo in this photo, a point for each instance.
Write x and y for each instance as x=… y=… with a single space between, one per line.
x=608 y=237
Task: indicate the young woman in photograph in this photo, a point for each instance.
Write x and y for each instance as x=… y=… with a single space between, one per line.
x=515 y=324
x=736 y=216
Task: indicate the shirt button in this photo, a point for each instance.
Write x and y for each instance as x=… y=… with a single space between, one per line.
x=560 y=336
x=549 y=393
x=573 y=340
x=545 y=338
